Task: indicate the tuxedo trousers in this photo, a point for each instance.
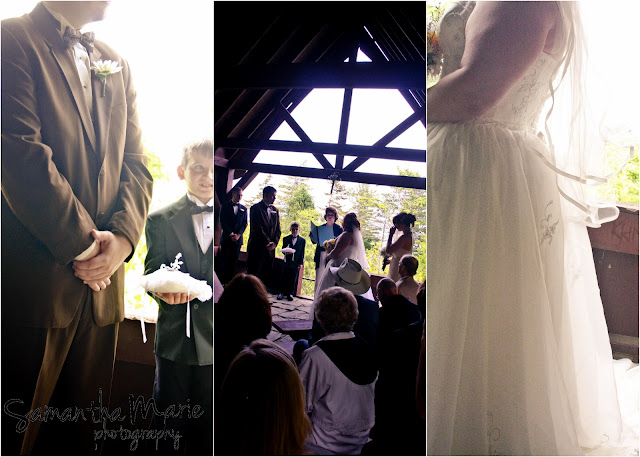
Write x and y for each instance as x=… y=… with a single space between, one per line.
x=226 y=260
x=260 y=263
x=62 y=375
x=176 y=385
x=289 y=279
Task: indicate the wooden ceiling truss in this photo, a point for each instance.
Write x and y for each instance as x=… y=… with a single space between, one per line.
x=278 y=53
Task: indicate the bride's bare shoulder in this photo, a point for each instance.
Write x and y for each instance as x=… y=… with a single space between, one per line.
x=347 y=237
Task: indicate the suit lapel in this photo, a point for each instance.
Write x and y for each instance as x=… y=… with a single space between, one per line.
x=47 y=26
x=182 y=224
x=101 y=106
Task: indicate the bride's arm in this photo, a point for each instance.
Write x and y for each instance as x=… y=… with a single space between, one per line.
x=502 y=40
x=342 y=243
x=403 y=242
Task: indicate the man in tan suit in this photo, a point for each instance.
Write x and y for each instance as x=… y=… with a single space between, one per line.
x=75 y=195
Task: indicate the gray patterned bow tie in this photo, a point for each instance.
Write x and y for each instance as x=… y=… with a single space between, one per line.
x=72 y=37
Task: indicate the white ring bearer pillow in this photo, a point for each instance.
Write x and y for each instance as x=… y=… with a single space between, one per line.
x=169 y=279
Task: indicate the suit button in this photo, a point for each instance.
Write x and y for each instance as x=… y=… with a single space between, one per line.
x=196 y=306
x=101 y=172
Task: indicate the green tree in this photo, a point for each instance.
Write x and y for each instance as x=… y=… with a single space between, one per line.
x=366 y=204
x=338 y=198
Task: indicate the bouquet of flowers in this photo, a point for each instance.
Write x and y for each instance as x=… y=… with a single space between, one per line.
x=328 y=245
x=434 y=55
x=386 y=258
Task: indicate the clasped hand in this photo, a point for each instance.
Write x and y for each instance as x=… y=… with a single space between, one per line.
x=174 y=298
x=112 y=250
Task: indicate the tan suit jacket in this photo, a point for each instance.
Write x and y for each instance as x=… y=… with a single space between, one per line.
x=65 y=171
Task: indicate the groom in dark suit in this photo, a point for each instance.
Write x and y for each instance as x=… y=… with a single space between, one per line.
x=184 y=364
x=292 y=261
x=75 y=195
x=264 y=234
x=233 y=220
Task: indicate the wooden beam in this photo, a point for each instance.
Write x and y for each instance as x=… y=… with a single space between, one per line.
x=389 y=137
x=353 y=150
x=370 y=75
x=246 y=179
x=410 y=182
x=346 y=110
x=322 y=160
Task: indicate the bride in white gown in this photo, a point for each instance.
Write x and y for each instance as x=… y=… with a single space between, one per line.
x=349 y=245
x=518 y=356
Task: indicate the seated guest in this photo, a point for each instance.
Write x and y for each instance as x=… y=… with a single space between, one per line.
x=407 y=286
x=352 y=277
x=399 y=430
x=262 y=404
x=339 y=376
x=396 y=312
x=292 y=261
x=242 y=314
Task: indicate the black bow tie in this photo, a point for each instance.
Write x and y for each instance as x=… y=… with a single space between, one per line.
x=195 y=209
x=235 y=204
x=72 y=37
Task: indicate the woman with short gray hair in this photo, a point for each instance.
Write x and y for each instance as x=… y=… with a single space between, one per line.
x=339 y=374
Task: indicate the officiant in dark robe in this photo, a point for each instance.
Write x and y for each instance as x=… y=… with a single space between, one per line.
x=264 y=235
x=331 y=216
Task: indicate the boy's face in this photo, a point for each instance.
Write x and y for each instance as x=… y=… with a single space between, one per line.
x=199 y=177
x=295 y=231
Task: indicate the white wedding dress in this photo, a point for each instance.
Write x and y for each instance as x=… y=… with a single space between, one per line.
x=395 y=261
x=357 y=252
x=518 y=355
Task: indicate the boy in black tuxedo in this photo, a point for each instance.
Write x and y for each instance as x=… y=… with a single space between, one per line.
x=184 y=371
x=233 y=219
x=292 y=261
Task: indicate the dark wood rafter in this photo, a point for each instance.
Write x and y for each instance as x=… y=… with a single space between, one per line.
x=274 y=53
x=346 y=111
x=366 y=75
x=354 y=150
x=322 y=160
x=389 y=137
x=247 y=179
x=410 y=182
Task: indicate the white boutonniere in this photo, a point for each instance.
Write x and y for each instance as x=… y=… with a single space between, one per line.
x=104 y=68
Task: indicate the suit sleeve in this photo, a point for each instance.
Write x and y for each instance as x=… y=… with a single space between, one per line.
x=301 y=252
x=155 y=234
x=37 y=193
x=136 y=182
x=278 y=233
x=226 y=219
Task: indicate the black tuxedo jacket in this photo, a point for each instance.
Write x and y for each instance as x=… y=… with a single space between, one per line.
x=169 y=231
x=233 y=223
x=263 y=228
x=297 y=258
